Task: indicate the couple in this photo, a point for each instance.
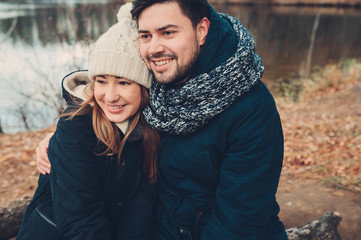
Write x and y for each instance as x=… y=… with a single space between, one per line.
x=218 y=158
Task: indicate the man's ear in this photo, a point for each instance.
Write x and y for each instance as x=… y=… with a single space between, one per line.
x=202 y=30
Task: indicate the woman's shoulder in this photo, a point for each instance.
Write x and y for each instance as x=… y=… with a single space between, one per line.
x=78 y=127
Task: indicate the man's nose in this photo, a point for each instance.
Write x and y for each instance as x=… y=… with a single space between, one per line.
x=156 y=46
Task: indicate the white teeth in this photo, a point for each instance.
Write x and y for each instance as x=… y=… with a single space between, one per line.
x=116 y=107
x=160 y=63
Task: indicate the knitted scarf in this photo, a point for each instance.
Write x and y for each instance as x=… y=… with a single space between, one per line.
x=186 y=108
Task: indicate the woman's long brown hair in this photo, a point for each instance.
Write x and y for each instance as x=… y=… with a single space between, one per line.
x=108 y=133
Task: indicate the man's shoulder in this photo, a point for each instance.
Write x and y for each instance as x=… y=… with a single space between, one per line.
x=257 y=95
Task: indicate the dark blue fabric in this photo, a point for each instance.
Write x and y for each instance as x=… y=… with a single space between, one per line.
x=34 y=225
x=87 y=196
x=220 y=182
x=221 y=44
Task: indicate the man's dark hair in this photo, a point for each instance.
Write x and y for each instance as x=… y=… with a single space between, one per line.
x=195 y=10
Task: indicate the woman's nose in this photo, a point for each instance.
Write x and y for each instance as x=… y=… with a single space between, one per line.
x=112 y=95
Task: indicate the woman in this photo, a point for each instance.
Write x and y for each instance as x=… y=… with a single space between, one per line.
x=103 y=154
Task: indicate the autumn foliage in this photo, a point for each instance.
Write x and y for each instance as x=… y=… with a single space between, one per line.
x=321 y=117
x=322 y=126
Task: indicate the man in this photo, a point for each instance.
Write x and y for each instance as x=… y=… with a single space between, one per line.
x=221 y=152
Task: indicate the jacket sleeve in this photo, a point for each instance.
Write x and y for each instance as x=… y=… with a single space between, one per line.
x=249 y=176
x=75 y=182
x=137 y=219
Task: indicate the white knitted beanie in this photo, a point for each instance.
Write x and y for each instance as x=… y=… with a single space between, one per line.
x=116 y=52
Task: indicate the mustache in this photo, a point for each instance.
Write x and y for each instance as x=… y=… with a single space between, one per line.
x=161 y=55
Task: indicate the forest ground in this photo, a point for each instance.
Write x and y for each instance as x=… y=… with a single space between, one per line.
x=322 y=162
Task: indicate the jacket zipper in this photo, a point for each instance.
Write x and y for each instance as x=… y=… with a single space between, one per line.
x=45 y=218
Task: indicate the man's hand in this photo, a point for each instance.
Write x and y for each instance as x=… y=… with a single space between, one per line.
x=42 y=160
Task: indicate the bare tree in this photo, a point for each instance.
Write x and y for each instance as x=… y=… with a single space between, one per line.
x=24 y=117
x=312 y=40
x=40 y=86
x=1 y=128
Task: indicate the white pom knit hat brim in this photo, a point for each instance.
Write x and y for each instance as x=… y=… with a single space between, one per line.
x=116 y=52
x=119 y=64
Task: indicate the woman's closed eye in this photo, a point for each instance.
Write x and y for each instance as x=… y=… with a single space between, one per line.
x=100 y=81
x=124 y=83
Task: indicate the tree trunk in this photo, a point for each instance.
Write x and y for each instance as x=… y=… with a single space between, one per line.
x=11 y=216
x=323 y=229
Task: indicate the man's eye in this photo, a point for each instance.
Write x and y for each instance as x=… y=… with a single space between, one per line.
x=167 y=33
x=144 y=37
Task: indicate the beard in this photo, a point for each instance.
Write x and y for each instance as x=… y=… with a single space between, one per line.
x=180 y=74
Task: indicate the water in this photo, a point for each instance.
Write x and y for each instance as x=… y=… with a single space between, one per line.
x=42 y=42
x=295 y=40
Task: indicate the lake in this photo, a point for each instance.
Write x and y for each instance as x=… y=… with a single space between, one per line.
x=40 y=43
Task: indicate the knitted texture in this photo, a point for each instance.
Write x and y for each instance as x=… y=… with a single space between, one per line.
x=116 y=52
x=186 y=108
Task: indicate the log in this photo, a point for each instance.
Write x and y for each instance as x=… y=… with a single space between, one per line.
x=322 y=229
x=11 y=216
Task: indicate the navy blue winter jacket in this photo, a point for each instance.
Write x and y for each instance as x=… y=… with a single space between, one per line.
x=220 y=182
x=90 y=197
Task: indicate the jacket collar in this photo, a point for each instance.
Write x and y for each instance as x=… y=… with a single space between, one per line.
x=221 y=44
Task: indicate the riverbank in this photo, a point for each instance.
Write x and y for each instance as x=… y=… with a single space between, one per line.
x=322 y=165
x=322 y=125
x=321 y=122
x=329 y=3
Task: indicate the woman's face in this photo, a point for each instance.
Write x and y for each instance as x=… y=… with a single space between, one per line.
x=119 y=98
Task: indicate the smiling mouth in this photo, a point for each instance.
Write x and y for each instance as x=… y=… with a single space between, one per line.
x=116 y=107
x=161 y=63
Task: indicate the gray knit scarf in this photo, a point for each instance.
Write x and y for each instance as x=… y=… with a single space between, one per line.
x=185 y=108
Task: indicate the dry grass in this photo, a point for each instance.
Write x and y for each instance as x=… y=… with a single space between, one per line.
x=322 y=125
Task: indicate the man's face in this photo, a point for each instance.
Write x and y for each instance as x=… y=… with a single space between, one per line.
x=169 y=44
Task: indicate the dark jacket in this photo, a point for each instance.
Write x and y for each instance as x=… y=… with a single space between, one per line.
x=87 y=196
x=220 y=182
